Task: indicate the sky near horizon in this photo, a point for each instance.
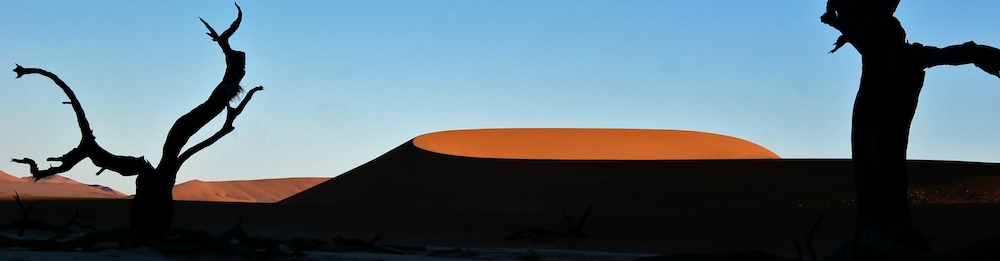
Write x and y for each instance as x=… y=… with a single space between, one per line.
x=346 y=81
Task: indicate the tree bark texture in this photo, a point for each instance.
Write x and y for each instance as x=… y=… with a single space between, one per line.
x=891 y=79
x=152 y=206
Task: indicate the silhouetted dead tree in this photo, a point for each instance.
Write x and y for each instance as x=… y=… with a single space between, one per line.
x=26 y=222
x=891 y=79
x=25 y=214
x=152 y=207
x=573 y=229
x=576 y=229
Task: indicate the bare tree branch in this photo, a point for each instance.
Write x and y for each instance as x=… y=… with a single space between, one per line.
x=124 y=165
x=81 y=117
x=88 y=146
x=227 y=127
x=985 y=57
x=68 y=160
x=224 y=38
x=235 y=25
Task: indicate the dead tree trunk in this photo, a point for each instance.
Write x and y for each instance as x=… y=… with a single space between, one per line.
x=152 y=207
x=891 y=79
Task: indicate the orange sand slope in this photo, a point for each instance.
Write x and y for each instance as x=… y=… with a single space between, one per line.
x=255 y=191
x=258 y=191
x=52 y=187
x=4 y=177
x=590 y=144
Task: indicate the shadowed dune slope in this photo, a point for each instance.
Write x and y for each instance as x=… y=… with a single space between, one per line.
x=255 y=191
x=590 y=144
x=411 y=176
x=52 y=187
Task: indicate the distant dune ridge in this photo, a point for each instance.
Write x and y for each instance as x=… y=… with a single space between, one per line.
x=4 y=177
x=251 y=191
x=254 y=191
x=52 y=187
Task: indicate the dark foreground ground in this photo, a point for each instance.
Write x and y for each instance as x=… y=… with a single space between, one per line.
x=609 y=228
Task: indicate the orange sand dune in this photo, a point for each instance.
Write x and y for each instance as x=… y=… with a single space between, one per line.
x=251 y=191
x=4 y=177
x=590 y=144
x=421 y=196
x=412 y=175
x=52 y=187
x=256 y=191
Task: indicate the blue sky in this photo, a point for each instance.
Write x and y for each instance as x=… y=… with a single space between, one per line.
x=349 y=80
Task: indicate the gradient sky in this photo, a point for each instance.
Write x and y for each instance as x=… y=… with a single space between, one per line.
x=349 y=80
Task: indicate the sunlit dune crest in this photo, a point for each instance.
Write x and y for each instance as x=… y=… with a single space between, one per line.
x=54 y=179
x=257 y=191
x=4 y=177
x=590 y=144
x=55 y=186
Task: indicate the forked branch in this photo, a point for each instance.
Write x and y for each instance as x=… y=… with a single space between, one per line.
x=81 y=117
x=224 y=38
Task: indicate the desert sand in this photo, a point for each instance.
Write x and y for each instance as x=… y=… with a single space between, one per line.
x=415 y=196
x=52 y=187
x=249 y=191
x=4 y=177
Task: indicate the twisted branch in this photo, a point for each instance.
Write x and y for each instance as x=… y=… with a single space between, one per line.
x=81 y=117
x=88 y=147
